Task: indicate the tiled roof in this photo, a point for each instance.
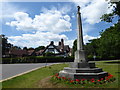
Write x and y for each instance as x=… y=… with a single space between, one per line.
x=30 y=52
x=18 y=52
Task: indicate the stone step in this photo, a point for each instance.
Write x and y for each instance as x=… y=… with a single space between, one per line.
x=83 y=70
x=83 y=75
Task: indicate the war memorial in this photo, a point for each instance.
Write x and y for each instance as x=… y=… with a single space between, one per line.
x=81 y=67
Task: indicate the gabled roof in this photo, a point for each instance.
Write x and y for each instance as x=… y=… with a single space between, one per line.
x=39 y=52
x=66 y=47
x=18 y=52
x=30 y=52
x=53 y=46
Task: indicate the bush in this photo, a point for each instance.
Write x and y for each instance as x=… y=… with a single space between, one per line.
x=35 y=59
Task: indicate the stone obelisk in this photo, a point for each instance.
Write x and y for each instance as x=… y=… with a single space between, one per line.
x=80 y=53
x=81 y=68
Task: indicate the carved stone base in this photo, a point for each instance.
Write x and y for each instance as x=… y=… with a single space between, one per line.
x=82 y=70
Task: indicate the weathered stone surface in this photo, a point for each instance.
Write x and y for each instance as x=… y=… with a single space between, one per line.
x=84 y=75
x=82 y=65
x=82 y=70
x=80 y=56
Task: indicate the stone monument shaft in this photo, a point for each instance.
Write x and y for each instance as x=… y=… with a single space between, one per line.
x=79 y=30
x=80 y=53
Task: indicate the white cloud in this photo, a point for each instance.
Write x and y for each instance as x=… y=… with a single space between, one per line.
x=37 y=39
x=51 y=21
x=8 y=10
x=87 y=37
x=92 y=10
x=43 y=39
x=45 y=27
x=23 y=21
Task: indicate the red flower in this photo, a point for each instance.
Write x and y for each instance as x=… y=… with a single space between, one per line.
x=110 y=75
x=98 y=80
x=77 y=80
x=93 y=81
x=68 y=78
x=56 y=74
x=58 y=77
x=83 y=79
x=107 y=78
x=101 y=78
x=71 y=81
x=63 y=78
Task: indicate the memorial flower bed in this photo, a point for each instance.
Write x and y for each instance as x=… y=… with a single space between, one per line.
x=107 y=79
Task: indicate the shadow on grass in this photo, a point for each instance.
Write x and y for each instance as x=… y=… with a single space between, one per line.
x=113 y=62
x=117 y=72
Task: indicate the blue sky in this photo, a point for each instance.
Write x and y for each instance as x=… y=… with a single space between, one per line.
x=34 y=24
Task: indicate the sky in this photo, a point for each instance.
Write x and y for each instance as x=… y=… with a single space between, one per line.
x=33 y=24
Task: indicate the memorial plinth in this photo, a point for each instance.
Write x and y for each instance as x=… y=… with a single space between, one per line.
x=81 y=68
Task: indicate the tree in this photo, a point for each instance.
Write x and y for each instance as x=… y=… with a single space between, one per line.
x=91 y=47
x=74 y=46
x=40 y=48
x=107 y=46
x=116 y=12
x=16 y=47
x=110 y=42
x=5 y=45
x=25 y=48
x=30 y=48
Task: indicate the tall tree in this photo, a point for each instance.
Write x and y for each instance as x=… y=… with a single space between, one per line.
x=116 y=12
x=5 y=45
x=110 y=42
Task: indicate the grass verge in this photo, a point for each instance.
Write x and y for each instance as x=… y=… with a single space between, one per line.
x=31 y=79
x=41 y=78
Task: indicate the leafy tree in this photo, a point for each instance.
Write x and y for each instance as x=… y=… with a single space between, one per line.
x=16 y=47
x=74 y=46
x=110 y=42
x=25 y=48
x=91 y=48
x=30 y=48
x=116 y=12
x=5 y=45
x=107 y=46
x=40 y=48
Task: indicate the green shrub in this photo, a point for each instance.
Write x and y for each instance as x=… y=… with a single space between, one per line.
x=35 y=59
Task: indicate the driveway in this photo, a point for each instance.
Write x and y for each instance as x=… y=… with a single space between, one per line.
x=11 y=70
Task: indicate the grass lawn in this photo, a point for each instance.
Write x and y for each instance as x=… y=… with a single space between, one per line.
x=41 y=78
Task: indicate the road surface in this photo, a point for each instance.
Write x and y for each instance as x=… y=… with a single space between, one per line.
x=10 y=70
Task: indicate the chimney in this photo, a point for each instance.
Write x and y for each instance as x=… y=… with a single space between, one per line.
x=59 y=44
x=62 y=45
x=51 y=43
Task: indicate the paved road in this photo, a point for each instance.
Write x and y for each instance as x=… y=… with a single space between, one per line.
x=9 y=70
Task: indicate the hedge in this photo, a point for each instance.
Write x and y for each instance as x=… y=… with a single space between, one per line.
x=49 y=59
x=34 y=59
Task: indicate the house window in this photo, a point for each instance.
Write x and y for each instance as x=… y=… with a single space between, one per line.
x=51 y=50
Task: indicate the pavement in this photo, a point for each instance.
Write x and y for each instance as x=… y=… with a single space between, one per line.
x=12 y=70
